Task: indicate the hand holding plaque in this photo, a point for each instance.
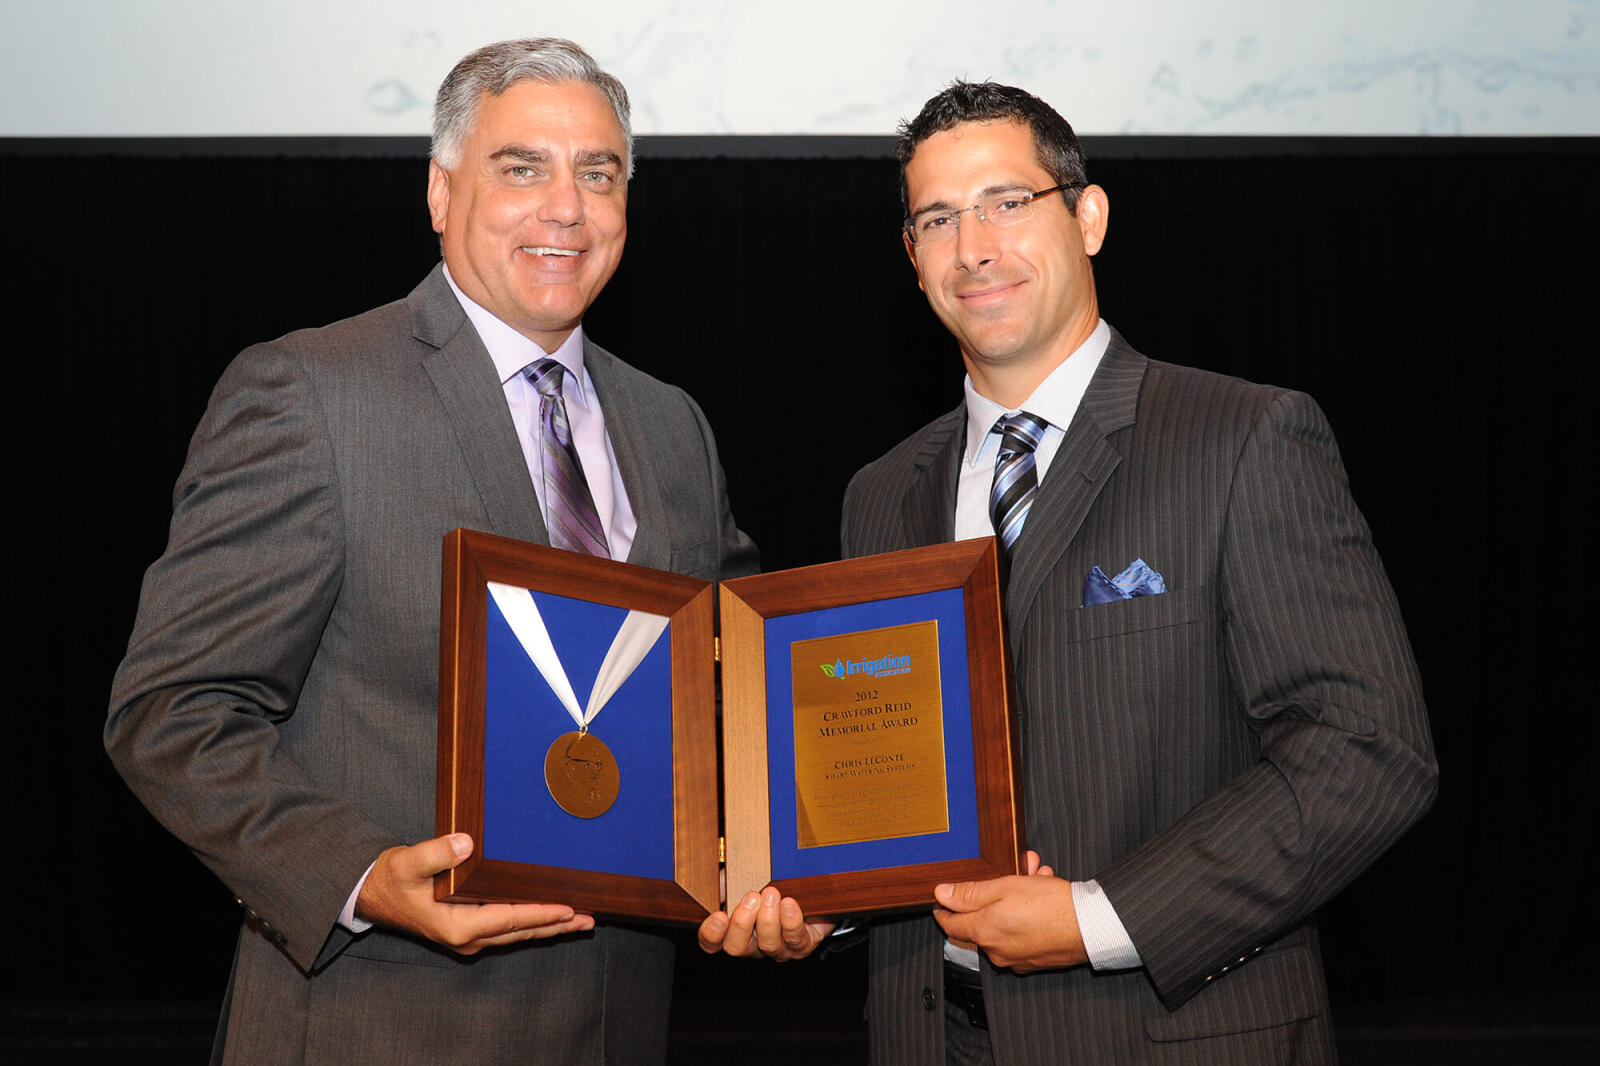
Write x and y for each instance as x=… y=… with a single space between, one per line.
x=398 y=893
x=1023 y=924
x=763 y=923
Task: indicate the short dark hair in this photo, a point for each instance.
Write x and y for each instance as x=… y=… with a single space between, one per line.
x=1054 y=144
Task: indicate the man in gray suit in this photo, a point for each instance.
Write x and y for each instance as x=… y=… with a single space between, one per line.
x=277 y=708
x=1221 y=720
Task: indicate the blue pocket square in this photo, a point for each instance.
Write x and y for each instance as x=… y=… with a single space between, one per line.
x=1137 y=580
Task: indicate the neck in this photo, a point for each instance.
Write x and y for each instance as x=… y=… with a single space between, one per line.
x=1011 y=382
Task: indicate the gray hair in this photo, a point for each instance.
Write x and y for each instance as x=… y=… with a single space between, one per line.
x=495 y=68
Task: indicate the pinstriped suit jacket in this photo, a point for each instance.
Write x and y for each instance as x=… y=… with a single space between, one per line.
x=1223 y=757
x=278 y=705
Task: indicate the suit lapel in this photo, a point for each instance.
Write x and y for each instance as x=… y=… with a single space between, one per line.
x=928 y=509
x=626 y=428
x=464 y=378
x=1079 y=471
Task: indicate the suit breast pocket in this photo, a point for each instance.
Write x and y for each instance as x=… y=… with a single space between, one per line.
x=1121 y=617
x=1128 y=685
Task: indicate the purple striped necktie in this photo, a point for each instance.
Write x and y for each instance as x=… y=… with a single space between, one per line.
x=1015 y=480
x=569 y=508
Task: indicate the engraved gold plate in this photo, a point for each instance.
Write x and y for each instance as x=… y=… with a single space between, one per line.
x=869 y=736
x=582 y=774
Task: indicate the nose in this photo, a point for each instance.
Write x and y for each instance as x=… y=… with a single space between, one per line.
x=562 y=203
x=975 y=243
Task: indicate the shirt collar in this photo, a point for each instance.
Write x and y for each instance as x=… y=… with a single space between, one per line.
x=1055 y=400
x=511 y=351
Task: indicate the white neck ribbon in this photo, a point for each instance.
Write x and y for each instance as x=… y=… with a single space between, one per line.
x=639 y=633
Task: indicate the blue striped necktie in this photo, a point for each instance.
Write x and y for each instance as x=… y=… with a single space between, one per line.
x=569 y=508
x=1015 y=480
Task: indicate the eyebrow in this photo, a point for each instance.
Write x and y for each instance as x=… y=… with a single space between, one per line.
x=983 y=194
x=597 y=157
x=588 y=157
x=521 y=153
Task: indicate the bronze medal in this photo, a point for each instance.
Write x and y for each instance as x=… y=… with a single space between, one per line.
x=582 y=774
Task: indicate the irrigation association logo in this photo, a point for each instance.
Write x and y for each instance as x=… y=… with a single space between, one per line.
x=884 y=667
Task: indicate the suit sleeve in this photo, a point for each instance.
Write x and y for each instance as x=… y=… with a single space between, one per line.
x=848 y=520
x=737 y=553
x=1319 y=663
x=229 y=623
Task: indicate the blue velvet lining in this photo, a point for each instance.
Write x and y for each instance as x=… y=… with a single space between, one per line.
x=521 y=823
x=947 y=607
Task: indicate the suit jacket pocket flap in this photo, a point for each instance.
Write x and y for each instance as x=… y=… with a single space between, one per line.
x=1174 y=608
x=384 y=946
x=1275 y=988
x=696 y=560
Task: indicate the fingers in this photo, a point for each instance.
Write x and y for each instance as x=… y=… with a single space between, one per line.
x=957 y=925
x=1023 y=923
x=519 y=927
x=399 y=893
x=801 y=937
x=763 y=923
x=797 y=936
x=740 y=936
x=713 y=932
x=469 y=928
x=769 y=923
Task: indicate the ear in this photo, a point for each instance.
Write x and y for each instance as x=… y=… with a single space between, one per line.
x=911 y=253
x=1094 y=212
x=438 y=195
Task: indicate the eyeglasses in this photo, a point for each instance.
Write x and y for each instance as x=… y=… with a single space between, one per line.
x=1002 y=209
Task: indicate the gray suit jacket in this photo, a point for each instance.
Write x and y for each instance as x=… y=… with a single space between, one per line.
x=277 y=708
x=1223 y=757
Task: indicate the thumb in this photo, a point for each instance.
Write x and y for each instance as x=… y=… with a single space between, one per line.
x=966 y=896
x=434 y=856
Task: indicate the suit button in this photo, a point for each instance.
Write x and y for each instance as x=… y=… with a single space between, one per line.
x=929 y=1000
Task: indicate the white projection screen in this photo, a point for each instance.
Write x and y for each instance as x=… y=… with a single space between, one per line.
x=315 y=68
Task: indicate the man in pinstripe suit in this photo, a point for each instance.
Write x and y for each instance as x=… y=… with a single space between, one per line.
x=1213 y=743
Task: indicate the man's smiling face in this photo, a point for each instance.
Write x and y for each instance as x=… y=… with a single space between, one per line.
x=533 y=215
x=1018 y=299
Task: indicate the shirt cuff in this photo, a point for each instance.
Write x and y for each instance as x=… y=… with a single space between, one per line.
x=963 y=957
x=1104 y=937
x=347 y=917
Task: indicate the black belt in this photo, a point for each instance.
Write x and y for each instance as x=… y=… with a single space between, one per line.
x=964 y=988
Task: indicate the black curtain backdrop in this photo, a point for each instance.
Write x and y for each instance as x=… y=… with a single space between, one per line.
x=1438 y=298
